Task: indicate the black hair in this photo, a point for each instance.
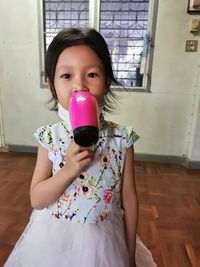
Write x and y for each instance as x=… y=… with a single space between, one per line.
x=72 y=37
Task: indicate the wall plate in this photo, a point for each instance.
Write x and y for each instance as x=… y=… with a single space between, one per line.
x=191 y=46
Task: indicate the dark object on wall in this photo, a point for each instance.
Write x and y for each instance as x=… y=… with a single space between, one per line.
x=139 y=77
x=193 y=7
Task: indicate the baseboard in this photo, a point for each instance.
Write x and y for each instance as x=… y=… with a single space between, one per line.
x=192 y=164
x=160 y=158
x=4 y=149
x=180 y=160
x=26 y=149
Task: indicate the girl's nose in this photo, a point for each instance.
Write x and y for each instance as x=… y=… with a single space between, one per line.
x=80 y=85
x=81 y=89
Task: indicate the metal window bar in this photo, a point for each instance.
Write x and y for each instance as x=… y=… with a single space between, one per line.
x=124 y=26
x=122 y=23
x=59 y=14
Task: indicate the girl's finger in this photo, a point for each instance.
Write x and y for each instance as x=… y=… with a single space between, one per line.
x=73 y=149
x=84 y=154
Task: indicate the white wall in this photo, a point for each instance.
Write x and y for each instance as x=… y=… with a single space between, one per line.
x=166 y=119
x=194 y=146
x=23 y=99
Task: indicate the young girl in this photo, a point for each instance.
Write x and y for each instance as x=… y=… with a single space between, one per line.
x=84 y=199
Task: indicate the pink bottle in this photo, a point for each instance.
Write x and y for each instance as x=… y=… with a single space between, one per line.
x=83 y=112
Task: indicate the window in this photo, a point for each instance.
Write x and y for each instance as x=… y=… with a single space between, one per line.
x=125 y=25
x=63 y=14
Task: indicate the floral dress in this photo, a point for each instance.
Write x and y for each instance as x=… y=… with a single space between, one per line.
x=84 y=227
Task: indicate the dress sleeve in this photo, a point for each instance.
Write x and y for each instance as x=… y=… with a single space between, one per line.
x=43 y=136
x=131 y=137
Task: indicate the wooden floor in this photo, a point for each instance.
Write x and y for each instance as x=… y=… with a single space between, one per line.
x=169 y=208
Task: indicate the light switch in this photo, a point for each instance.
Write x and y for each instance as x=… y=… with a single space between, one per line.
x=191 y=46
x=195 y=26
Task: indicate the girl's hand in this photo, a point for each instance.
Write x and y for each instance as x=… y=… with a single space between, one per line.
x=77 y=159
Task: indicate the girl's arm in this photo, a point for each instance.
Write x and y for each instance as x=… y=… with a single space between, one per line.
x=47 y=188
x=130 y=204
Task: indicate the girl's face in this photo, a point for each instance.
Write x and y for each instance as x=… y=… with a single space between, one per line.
x=79 y=68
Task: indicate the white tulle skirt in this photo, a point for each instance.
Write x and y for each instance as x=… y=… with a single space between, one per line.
x=51 y=242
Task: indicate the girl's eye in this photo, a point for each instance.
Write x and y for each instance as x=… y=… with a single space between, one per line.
x=92 y=74
x=65 y=76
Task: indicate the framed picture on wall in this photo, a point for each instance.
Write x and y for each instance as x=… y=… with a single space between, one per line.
x=194 y=7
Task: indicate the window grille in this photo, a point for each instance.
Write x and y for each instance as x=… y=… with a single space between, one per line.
x=59 y=14
x=124 y=25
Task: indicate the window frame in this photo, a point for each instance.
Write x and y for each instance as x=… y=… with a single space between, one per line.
x=94 y=22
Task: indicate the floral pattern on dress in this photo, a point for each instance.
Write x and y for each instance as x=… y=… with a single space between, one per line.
x=95 y=195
